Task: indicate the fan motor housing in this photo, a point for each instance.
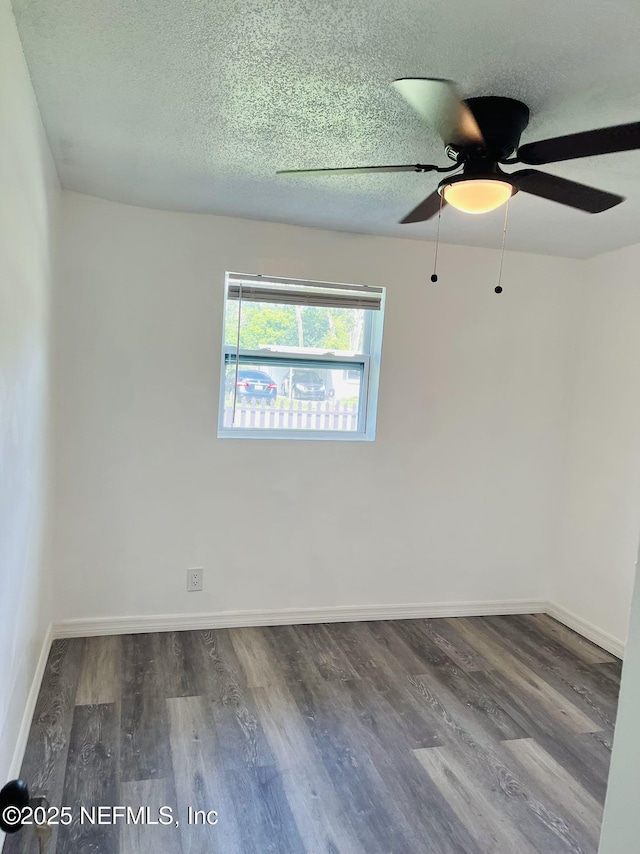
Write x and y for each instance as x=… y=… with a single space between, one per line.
x=478 y=170
x=501 y=122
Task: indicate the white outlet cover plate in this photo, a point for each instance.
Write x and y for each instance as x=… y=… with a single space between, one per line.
x=194 y=579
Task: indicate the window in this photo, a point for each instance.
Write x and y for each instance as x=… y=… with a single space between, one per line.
x=299 y=359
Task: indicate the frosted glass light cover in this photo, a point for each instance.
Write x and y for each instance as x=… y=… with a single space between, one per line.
x=477 y=196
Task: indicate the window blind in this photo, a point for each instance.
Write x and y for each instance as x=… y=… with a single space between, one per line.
x=295 y=292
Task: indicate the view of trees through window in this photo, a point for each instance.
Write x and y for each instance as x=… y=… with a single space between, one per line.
x=269 y=325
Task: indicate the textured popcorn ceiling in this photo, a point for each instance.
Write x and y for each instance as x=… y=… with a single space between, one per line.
x=193 y=104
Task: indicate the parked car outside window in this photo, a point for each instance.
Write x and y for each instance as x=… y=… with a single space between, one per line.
x=253 y=385
x=303 y=384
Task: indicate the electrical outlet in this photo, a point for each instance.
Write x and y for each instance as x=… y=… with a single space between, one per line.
x=194 y=579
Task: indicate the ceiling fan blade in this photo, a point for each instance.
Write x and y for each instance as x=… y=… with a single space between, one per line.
x=586 y=144
x=565 y=192
x=440 y=105
x=354 y=170
x=426 y=209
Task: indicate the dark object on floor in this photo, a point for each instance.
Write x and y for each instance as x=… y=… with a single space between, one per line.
x=14 y=797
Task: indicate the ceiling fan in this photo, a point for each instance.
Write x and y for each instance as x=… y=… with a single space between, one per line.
x=481 y=135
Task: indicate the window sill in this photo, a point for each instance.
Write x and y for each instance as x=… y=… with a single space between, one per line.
x=306 y=435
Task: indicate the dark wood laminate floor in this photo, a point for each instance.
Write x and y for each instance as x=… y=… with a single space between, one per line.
x=484 y=735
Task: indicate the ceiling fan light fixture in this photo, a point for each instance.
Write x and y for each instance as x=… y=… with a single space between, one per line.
x=477 y=195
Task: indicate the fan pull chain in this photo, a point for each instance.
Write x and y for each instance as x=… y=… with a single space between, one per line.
x=434 y=275
x=498 y=288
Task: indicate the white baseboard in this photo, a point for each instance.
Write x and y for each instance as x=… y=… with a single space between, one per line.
x=30 y=705
x=586 y=629
x=290 y=616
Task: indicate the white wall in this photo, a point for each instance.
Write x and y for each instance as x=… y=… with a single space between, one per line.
x=621 y=822
x=454 y=501
x=28 y=197
x=598 y=525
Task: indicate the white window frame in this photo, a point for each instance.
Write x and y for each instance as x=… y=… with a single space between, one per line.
x=369 y=386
